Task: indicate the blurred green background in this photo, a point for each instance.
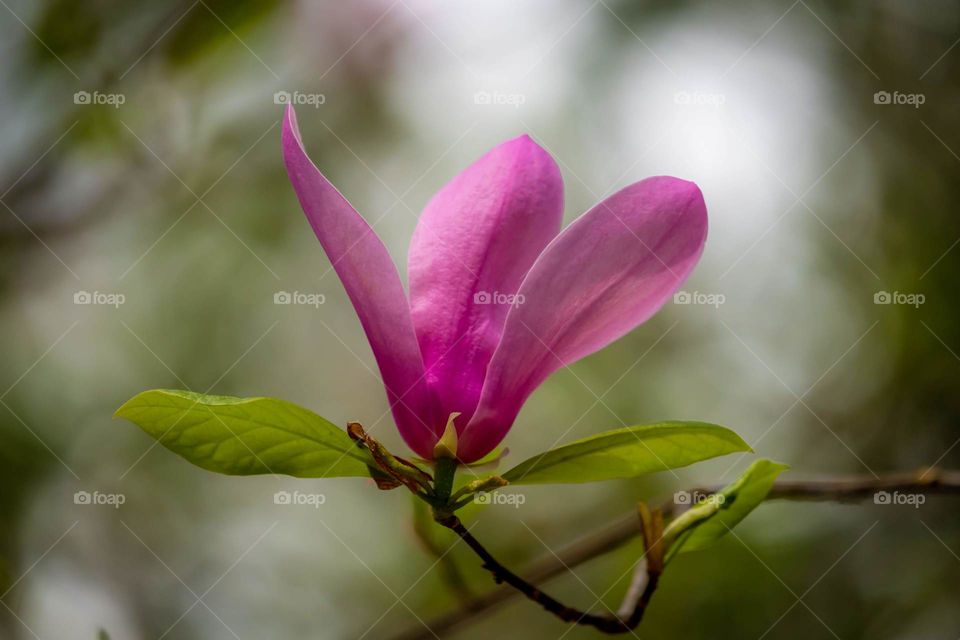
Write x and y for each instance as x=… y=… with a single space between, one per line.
x=163 y=184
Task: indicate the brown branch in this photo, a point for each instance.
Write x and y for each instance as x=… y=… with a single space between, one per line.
x=611 y=537
x=927 y=480
x=623 y=530
x=631 y=612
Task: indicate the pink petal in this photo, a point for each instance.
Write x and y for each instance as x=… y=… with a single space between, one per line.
x=474 y=243
x=602 y=276
x=371 y=280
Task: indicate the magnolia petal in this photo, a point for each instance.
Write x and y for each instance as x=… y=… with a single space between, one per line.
x=370 y=278
x=606 y=273
x=474 y=243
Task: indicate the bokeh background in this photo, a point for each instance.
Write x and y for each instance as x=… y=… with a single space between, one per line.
x=164 y=184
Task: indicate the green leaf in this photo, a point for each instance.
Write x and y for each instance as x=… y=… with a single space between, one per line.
x=707 y=522
x=627 y=453
x=246 y=436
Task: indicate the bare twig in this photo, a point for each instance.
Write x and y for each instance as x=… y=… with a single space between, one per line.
x=634 y=605
x=625 y=529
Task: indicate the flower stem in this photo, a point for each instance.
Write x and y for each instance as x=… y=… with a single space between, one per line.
x=445 y=470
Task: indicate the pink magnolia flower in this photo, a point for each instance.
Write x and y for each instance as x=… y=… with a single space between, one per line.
x=500 y=297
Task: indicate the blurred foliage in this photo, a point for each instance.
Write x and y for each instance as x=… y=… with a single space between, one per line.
x=104 y=199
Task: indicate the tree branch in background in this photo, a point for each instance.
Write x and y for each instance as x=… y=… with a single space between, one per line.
x=623 y=530
x=423 y=527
